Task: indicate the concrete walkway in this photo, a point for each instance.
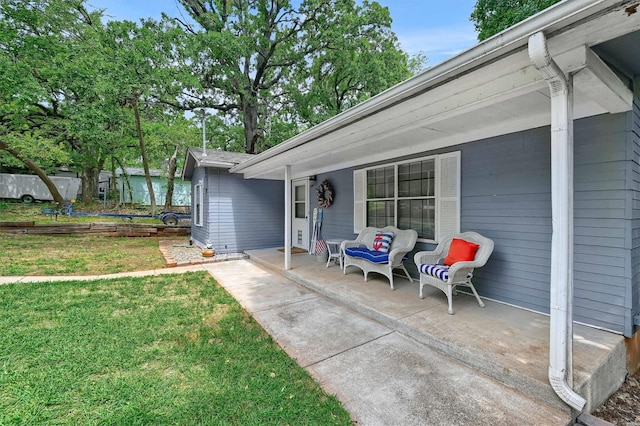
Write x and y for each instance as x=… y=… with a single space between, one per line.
x=382 y=376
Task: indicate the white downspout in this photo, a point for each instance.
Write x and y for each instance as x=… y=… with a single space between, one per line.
x=561 y=297
x=287 y=218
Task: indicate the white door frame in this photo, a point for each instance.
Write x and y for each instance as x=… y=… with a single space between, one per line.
x=300 y=225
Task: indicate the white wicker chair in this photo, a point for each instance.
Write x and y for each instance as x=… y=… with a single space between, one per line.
x=460 y=273
x=403 y=242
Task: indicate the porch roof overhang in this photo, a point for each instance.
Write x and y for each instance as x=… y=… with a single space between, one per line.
x=489 y=90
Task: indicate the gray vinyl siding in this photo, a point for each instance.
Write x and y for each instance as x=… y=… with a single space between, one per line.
x=506 y=196
x=602 y=237
x=337 y=220
x=243 y=214
x=634 y=291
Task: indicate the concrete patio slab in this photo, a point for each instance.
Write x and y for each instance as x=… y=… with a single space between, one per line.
x=509 y=344
x=397 y=381
x=257 y=290
x=314 y=330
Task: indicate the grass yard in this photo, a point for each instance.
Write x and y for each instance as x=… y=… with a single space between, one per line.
x=24 y=254
x=163 y=350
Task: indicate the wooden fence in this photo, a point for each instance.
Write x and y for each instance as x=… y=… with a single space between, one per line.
x=107 y=229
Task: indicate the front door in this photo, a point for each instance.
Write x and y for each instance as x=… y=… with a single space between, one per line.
x=300 y=220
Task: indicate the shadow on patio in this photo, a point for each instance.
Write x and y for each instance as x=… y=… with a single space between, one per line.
x=509 y=344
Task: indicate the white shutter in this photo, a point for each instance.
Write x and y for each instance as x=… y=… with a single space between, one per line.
x=359 y=200
x=199 y=207
x=448 y=195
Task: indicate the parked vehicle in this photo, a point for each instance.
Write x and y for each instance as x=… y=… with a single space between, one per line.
x=29 y=188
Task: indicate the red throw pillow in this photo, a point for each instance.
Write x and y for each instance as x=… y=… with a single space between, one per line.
x=460 y=251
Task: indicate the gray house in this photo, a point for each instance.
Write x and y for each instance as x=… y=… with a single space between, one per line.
x=228 y=212
x=531 y=138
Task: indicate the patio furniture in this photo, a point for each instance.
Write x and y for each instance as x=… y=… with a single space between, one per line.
x=335 y=252
x=379 y=250
x=452 y=263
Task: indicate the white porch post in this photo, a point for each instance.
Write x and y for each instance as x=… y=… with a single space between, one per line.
x=287 y=218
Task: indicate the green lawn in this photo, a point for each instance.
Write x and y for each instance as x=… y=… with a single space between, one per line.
x=173 y=349
x=25 y=254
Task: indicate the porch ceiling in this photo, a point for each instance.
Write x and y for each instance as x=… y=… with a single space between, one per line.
x=481 y=98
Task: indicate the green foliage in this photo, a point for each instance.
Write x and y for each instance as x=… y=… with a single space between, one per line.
x=492 y=16
x=52 y=106
x=270 y=69
x=360 y=58
x=164 y=350
x=66 y=84
x=70 y=82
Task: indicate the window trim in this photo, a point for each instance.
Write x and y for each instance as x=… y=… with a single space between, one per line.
x=442 y=200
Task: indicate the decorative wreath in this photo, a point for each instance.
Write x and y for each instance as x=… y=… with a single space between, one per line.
x=325 y=194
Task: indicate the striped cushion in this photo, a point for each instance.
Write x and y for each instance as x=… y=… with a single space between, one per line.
x=382 y=241
x=370 y=255
x=438 y=271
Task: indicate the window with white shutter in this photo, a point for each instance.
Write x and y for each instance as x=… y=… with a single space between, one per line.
x=448 y=204
x=198 y=211
x=359 y=200
x=421 y=194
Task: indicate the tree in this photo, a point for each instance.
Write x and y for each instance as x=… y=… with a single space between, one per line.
x=361 y=58
x=32 y=124
x=74 y=91
x=168 y=135
x=248 y=59
x=492 y=16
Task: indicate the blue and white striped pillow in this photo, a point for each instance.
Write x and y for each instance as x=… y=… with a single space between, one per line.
x=382 y=241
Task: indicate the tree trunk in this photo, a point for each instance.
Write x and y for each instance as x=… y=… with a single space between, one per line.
x=173 y=161
x=126 y=186
x=120 y=200
x=90 y=180
x=250 y=120
x=37 y=170
x=143 y=153
x=112 y=188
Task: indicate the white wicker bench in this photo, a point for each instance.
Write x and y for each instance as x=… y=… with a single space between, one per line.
x=361 y=254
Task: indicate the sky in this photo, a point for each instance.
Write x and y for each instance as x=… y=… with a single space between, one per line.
x=438 y=28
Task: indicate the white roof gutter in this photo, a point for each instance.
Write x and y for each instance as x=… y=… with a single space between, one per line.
x=209 y=163
x=561 y=292
x=565 y=12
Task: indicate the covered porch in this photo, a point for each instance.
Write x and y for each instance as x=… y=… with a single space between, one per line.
x=508 y=344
